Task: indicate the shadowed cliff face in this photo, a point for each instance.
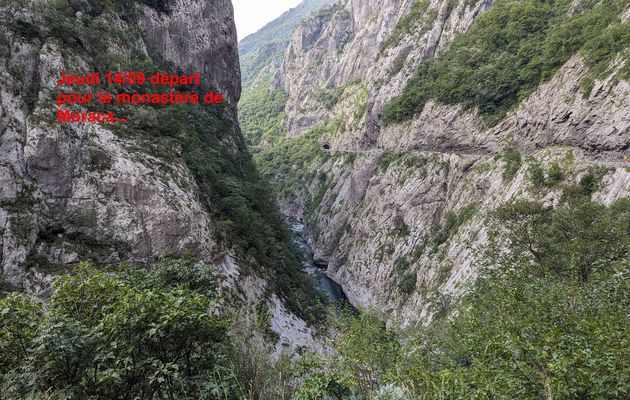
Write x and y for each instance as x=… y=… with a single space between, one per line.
x=78 y=192
x=197 y=36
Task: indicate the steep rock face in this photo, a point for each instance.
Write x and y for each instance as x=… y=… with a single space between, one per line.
x=400 y=212
x=443 y=164
x=262 y=55
x=73 y=192
x=345 y=44
x=198 y=36
x=262 y=52
x=280 y=30
x=76 y=192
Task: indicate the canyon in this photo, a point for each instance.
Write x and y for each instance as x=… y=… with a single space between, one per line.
x=372 y=204
x=455 y=170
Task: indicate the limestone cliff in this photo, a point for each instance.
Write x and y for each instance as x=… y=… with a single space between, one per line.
x=197 y=36
x=399 y=211
x=166 y=183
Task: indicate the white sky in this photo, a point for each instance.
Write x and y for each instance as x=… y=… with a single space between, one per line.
x=251 y=15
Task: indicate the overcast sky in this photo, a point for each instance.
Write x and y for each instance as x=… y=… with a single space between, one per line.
x=251 y=15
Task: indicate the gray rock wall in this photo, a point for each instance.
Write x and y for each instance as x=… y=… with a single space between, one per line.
x=72 y=192
x=198 y=36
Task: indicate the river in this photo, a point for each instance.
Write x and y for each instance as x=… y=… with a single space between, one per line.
x=318 y=272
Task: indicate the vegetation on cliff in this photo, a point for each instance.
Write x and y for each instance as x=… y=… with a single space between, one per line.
x=266 y=47
x=510 y=50
x=547 y=320
x=128 y=334
x=261 y=113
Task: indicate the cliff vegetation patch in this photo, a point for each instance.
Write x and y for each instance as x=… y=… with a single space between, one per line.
x=510 y=50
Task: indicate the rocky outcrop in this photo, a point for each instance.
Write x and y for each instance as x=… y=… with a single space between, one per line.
x=262 y=52
x=198 y=36
x=73 y=192
x=349 y=42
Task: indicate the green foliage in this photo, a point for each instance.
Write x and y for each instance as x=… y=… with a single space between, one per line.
x=519 y=337
x=317 y=384
x=172 y=272
x=386 y=159
x=204 y=139
x=317 y=199
x=236 y=197
x=26 y=29
x=362 y=103
x=103 y=336
x=576 y=240
x=261 y=113
x=160 y=5
x=513 y=162
x=366 y=351
x=329 y=96
x=509 y=51
x=521 y=333
x=537 y=175
x=288 y=164
x=590 y=182
x=407 y=283
x=450 y=225
x=263 y=321
x=18 y=326
x=261 y=376
x=555 y=175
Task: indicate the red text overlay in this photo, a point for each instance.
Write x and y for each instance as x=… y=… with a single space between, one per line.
x=165 y=89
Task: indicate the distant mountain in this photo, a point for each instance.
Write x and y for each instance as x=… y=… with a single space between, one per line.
x=262 y=48
x=280 y=29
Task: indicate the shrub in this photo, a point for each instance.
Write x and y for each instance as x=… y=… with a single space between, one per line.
x=386 y=159
x=407 y=283
x=402 y=264
x=518 y=337
x=537 y=175
x=329 y=96
x=555 y=174
x=519 y=333
x=572 y=240
x=441 y=233
x=590 y=182
x=513 y=162
x=105 y=337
